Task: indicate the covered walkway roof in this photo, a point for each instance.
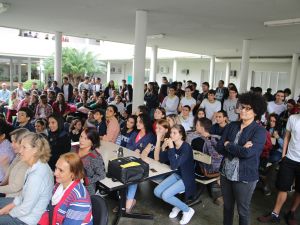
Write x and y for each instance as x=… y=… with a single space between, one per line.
x=210 y=27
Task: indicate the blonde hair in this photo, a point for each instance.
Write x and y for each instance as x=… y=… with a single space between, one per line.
x=39 y=142
x=75 y=163
x=18 y=134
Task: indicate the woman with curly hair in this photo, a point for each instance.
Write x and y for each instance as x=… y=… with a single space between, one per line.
x=241 y=145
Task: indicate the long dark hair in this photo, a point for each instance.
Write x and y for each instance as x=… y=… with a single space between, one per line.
x=93 y=136
x=147 y=122
x=62 y=102
x=60 y=121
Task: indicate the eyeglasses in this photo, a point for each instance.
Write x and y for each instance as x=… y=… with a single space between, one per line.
x=247 y=108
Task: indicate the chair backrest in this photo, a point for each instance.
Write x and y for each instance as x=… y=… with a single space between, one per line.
x=99 y=209
x=201 y=157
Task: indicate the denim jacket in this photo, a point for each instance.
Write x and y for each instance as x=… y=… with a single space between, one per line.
x=248 y=157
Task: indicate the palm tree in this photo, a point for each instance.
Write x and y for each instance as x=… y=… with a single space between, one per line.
x=76 y=64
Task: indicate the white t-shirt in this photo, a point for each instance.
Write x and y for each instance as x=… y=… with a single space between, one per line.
x=186 y=123
x=170 y=104
x=66 y=91
x=276 y=108
x=210 y=108
x=293 y=125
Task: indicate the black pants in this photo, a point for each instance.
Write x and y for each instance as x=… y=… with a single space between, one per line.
x=239 y=193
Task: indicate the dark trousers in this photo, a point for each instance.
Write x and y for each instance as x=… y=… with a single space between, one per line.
x=239 y=193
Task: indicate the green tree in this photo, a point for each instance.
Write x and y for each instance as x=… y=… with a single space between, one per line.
x=76 y=64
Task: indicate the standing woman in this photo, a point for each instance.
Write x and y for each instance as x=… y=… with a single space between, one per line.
x=59 y=139
x=241 y=145
x=108 y=91
x=30 y=204
x=92 y=161
x=112 y=124
x=180 y=155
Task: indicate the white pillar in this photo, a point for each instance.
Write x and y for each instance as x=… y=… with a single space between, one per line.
x=153 y=64
x=245 y=66
x=174 y=70
x=293 y=77
x=58 y=58
x=212 y=71
x=140 y=41
x=29 y=68
x=227 y=74
x=42 y=72
x=108 y=72
x=11 y=71
x=19 y=72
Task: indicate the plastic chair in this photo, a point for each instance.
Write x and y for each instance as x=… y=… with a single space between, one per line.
x=99 y=210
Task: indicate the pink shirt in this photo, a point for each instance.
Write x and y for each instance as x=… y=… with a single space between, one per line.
x=112 y=131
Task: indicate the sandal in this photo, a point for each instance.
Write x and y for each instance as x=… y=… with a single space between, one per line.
x=128 y=210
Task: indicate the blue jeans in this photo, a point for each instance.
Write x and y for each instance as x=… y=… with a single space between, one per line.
x=167 y=190
x=131 y=190
x=7 y=219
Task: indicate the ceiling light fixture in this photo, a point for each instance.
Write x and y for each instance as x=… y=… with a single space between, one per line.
x=278 y=23
x=156 y=36
x=3 y=7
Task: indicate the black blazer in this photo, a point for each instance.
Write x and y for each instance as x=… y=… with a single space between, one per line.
x=70 y=90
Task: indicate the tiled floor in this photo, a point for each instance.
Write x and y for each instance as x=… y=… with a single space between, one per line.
x=207 y=213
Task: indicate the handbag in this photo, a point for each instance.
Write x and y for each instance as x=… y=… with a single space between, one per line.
x=128 y=169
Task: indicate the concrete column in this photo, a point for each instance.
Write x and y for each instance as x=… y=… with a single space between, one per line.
x=29 y=68
x=227 y=74
x=140 y=41
x=108 y=72
x=245 y=66
x=174 y=70
x=58 y=58
x=11 y=71
x=293 y=77
x=42 y=73
x=153 y=64
x=212 y=71
x=19 y=72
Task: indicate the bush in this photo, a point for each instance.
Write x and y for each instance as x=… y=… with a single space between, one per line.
x=27 y=84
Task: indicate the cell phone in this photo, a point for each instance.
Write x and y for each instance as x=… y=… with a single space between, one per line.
x=153 y=170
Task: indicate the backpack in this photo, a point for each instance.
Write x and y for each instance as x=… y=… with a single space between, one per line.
x=209 y=148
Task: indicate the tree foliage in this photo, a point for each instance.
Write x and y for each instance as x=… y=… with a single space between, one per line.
x=76 y=63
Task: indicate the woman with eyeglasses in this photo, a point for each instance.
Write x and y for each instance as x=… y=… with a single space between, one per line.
x=30 y=204
x=241 y=145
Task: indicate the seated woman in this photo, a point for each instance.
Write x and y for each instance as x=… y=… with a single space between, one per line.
x=173 y=119
x=75 y=130
x=58 y=138
x=60 y=106
x=6 y=151
x=138 y=143
x=70 y=197
x=171 y=101
x=274 y=128
x=159 y=113
x=43 y=109
x=200 y=113
x=31 y=203
x=40 y=126
x=181 y=159
x=128 y=131
x=12 y=184
x=92 y=160
x=12 y=107
x=119 y=104
x=113 y=126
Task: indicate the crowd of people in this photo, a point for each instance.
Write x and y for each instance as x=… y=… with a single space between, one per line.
x=243 y=133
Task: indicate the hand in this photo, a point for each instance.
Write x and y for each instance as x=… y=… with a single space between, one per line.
x=276 y=135
x=137 y=151
x=169 y=142
x=226 y=143
x=144 y=155
x=248 y=144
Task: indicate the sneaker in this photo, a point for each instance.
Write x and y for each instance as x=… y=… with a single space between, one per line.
x=266 y=190
x=174 y=212
x=187 y=216
x=290 y=218
x=269 y=218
